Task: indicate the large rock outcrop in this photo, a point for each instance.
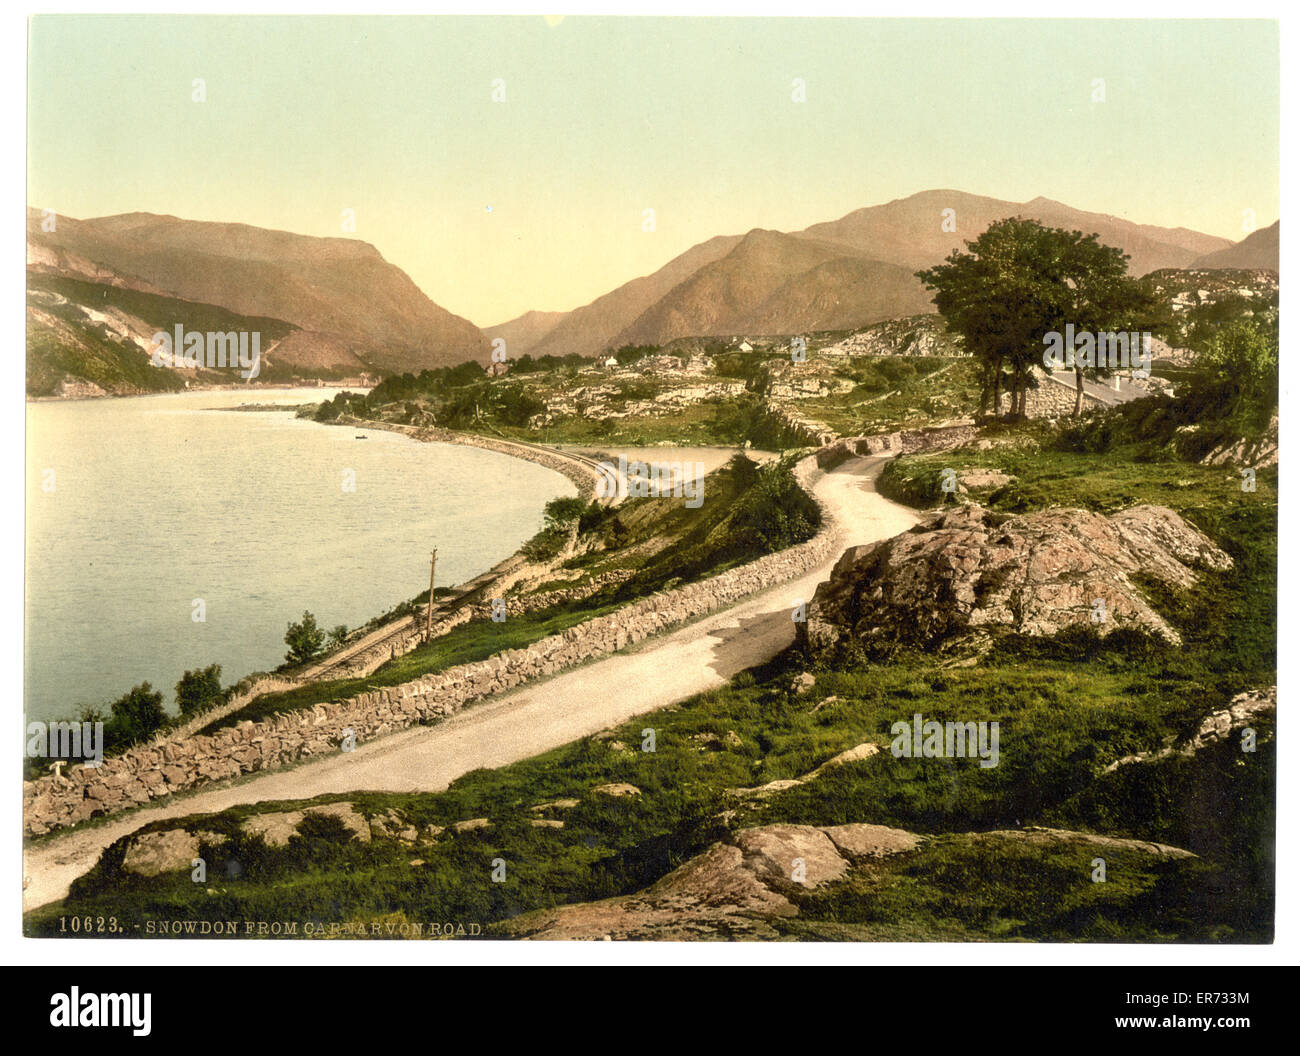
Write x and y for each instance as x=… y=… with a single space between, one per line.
x=731 y=891
x=966 y=575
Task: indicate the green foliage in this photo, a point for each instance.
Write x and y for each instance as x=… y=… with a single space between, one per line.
x=305 y=640
x=1241 y=364
x=199 y=690
x=136 y=716
x=562 y=512
x=1020 y=281
x=631 y=353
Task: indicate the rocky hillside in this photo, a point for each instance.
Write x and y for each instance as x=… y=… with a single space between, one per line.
x=1259 y=249
x=339 y=288
x=755 y=884
x=1197 y=302
x=93 y=339
x=967 y=575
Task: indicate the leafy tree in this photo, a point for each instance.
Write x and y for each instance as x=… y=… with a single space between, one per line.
x=305 y=640
x=137 y=715
x=1240 y=366
x=1020 y=281
x=560 y=513
x=338 y=635
x=199 y=690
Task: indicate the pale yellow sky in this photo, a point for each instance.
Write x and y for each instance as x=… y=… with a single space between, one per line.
x=537 y=199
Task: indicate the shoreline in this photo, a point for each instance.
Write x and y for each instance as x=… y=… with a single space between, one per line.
x=568 y=467
x=348 y=384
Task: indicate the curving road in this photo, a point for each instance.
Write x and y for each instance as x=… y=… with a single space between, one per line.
x=533 y=718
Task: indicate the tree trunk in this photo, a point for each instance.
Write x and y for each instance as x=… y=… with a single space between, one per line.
x=997 y=389
x=1078 y=392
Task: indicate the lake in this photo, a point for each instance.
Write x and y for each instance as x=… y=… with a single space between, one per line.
x=141 y=509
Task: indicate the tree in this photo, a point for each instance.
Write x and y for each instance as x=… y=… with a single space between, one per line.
x=305 y=640
x=338 y=635
x=1240 y=365
x=199 y=690
x=560 y=513
x=1021 y=281
x=138 y=714
x=1099 y=297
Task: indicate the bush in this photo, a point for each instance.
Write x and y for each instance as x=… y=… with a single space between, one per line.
x=199 y=690
x=305 y=640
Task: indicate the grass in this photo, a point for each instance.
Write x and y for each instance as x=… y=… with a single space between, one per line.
x=1061 y=722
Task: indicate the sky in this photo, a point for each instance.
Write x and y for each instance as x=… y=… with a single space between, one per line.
x=538 y=198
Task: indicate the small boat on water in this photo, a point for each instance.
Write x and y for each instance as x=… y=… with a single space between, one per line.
x=361 y=438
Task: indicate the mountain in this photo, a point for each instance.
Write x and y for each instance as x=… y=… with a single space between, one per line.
x=594 y=327
x=341 y=289
x=523 y=333
x=842 y=274
x=778 y=283
x=909 y=231
x=1259 y=249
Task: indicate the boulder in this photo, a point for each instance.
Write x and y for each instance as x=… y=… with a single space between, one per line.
x=277 y=828
x=963 y=576
x=173 y=850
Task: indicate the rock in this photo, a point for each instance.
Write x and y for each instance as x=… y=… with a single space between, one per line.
x=557 y=804
x=391 y=826
x=277 y=829
x=1046 y=837
x=802 y=683
x=870 y=841
x=861 y=751
x=965 y=575
x=1241 y=711
x=729 y=891
x=172 y=850
x=982 y=479
x=546 y=823
x=796 y=854
x=471 y=825
x=617 y=788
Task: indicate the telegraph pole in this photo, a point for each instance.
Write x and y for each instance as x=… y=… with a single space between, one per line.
x=428 y=626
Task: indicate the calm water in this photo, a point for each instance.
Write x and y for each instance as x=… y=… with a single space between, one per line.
x=160 y=500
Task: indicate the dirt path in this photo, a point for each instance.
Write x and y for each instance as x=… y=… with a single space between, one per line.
x=533 y=718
